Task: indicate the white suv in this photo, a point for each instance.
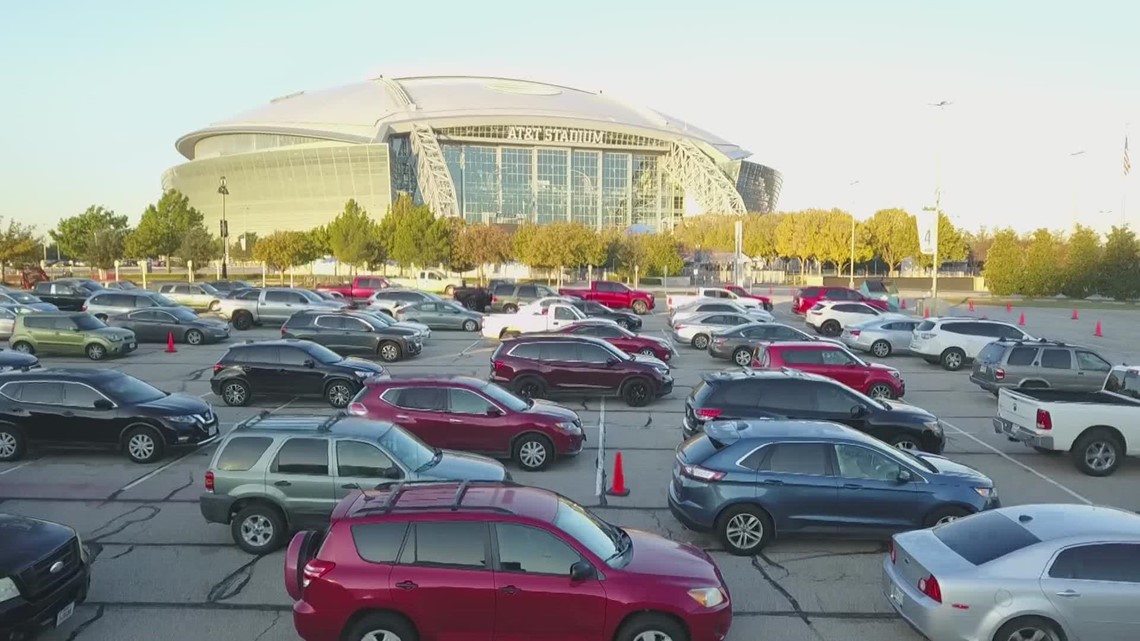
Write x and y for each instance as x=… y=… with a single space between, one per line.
x=956 y=341
x=830 y=317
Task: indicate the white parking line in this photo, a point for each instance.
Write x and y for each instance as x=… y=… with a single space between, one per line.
x=16 y=467
x=464 y=352
x=1023 y=466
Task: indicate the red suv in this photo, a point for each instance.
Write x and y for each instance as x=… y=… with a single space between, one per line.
x=621 y=338
x=832 y=361
x=807 y=297
x=476 y=560
x=461 y=413
x=537 y=365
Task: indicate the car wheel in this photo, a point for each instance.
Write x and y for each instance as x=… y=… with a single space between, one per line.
x=637 y=392
x=881 y=390
x=339 y=394
x=647 y=351
x=953 y=359
x=652 y=627
x=382 y=626
x=623 y=323
x=389 y=352
x=701 y=341
x=1097 y=452
x=907 y=443
x=742 y=357
x=236 y=393
x=510 y=308
x=534 y=452
x=214 y=305
x=1029 y=629
x=258 y=529
x=945 y=515
x=744 y=530
x=470 y=325
x=881 y=349
x=640 y=308
x=95 y=351
x=242 y=320
x=23 y=347
x=143 y=444
x=101 y=317
x=194 y=337
x=831 y=328
x=530 y=387
x=12 y=443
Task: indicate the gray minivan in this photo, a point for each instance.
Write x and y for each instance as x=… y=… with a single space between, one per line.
x=1039 y=364
x=110 y=302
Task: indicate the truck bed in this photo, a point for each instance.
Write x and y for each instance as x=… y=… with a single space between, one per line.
x=1058 y=396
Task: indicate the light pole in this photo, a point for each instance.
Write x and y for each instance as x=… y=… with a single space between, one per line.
x=851 y=271
x=224 y=228
x=940 y=106
x=1076 y=184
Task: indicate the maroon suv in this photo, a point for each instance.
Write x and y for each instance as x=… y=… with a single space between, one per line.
x=462 y=413
x=477 y=560
x=537 y=365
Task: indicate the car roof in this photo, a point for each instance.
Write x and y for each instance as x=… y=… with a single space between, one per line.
x=55 y=314
x=65 y=374
x=504 y=497
x=446 y=379
x=1036 y=342
x=784 y=430
x=272 y=343
x=783 y=373
x=552 y=337
x=339 y=424
x=803 y=345
x=1064 y=520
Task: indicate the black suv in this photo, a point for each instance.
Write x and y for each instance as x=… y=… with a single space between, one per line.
x=68 y=296
x=354 y=333
x=101 y=408
x=506 y=298
x=44 y=573
x=289 y=368
x=794 y=394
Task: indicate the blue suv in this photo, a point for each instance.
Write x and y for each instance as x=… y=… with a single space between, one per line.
x=750 y=481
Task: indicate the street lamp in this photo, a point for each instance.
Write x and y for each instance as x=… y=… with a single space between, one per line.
x=1076 y=178
x=937 y=209
x=851 y=271
x=224 y=228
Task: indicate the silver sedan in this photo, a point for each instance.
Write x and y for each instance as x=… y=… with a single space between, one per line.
x=698 y=330
x=881 y=336
x=1027 y=573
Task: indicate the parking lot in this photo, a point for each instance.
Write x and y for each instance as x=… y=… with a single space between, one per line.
x=160 y=566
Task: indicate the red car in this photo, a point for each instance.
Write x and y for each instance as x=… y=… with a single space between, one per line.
x=621 y=338
x=807 y=297
x=615 y=296
x=477 y=560
x=461 y=413
x=833 y=361
x=744 y=293
x=360 y=289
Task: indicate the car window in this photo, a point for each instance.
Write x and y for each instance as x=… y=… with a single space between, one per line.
x=802 y=356
x=783 y=333
x=355 y=324
x=1056 y=359
x=1116 y=562
x=292 y=356
x=594 y=354
x=42 y=288
x=738 y=393
x=809 y=292
x=1005 y=331
x=732 y=320
x=304 y=456
x=255 y=355
x=456 y=544
x=528 y=291
x=330 y=322
x=833 y=399
x=797 y=458
x=379 y=542
x=532 y=351
x=461 y=401
x=835 y=357
x=848 y=308
x=63 y=323
x=362 y=460
x=991 y=353
x=76 y=395
x=608 y=331
x=62 y=290
x=278 y=296
x=1019 y=355
x=758 y=331
x=790 y=397
x=423 y=398
x=901 y=326
x=252 y=294
x=965 y=329
x=242 y=452
x=503 y=290
x=143 y=315
x=1091 y=362
x=561 y=352
x=564 y=313
x=533 y=551
x=858 y=462
x=42 y=393
x=167 y=317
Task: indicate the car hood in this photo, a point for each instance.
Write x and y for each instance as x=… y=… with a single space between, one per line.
x=881 y=368
x=418 y=328
x=177 y=405
x=951 y=470
x=650 y=360
x=211 y=323
x=898 y=407
x=553 y=410
x=362 y=365
x=42 y=307
x=113 y=331
x=656 y=555
x=460 y=466
x=28 y=540
x=16 y=360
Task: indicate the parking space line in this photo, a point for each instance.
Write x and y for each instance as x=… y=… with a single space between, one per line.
x=464 y=352
x=1018 y=463
x=16 y=467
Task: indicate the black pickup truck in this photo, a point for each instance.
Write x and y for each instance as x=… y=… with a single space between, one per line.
x=44 y=574
x=67 y=295
x=478 y=298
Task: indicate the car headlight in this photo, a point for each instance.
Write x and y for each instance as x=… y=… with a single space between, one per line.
x=896 y=374
x=8 y=589
x=569 y=427
x=934 y=426
x=363 y=374
x=708 y=597
x=114 y=338
x=986 y=492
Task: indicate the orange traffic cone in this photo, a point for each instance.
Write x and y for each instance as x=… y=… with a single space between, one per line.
x=1097 y=332
x=769 y=291
x=170 y=343
x=1009 y=307
x=1076 y=315
x=1021 y=320
x=902 y=303
x=971 y=306
x=926 y=313
x=618 y=488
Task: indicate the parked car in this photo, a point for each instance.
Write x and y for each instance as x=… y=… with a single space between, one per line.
x=478 y=298
x=535 y=367
x=197 y=296
x=45 y=572
x=621 y=338
x=289 y=368
x=101 y=408
x=833 y=361
x=955 y=341
x=615 y=295
x=226 y=286
x=240 y=293
x=560 y=572
x=389 y=300
x=506 y=325
x=347 y=332
x=16 y=297
x=277 y=473
x=122 y=285
x=461 y=413
x=881 y=290
x=765 y=301
x=789 y=393
x=806 y=298
x=272 y=305
x=423 y=330
x=830 y=318
x=65 y=296
x=507 y=298
x=1040 y=364
x=698 y=330
x=328 y=295
x=751 y=481
x=429 y=280
x=70 y=333
x=12 y=360
x=591 y=309
x=708 y=306
x=358 y=290
x=882 y=336
x=1097 y=429
x=107 y=302
x=739 y=343
x=7 y=321
x=1063 y=571
x=441 y=315
x=160 y=324
x=538 y=306
x=673 y=301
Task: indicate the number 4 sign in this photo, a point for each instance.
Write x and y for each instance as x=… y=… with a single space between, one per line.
x=927 y=221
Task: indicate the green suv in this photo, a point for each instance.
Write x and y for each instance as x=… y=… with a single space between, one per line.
x=70 y=333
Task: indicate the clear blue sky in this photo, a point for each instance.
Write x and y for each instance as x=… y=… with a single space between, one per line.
x=829 y=92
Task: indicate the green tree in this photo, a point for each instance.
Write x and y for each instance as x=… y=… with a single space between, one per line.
x=893 y=236
x=662 y=255
x=796 y=236
x=1119 y=273
x=1044 y=264
x=1005 y=263
x=198 y=246
x=163 y=227
x=526 y=242
x=710 y=232
x=760 y=235
x=481 y=244
x=413 y=235
x=74 y=235
x=17 y=245
x=352 y=235
x=237 y=252
x=284 y=249
x=105 y=248
x=1083 y=260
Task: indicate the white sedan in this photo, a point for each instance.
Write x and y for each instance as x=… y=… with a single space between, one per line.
x=709 y=306
x=698 y=330
x=830 y=317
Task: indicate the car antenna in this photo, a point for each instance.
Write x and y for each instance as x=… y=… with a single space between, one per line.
x=330 y=421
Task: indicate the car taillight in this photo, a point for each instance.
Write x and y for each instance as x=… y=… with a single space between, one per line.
x=357 y=409
x=855 y=332
x=678 y=327
x=1044 y=420
x=83 y=308
x=929 y=586
x=218 y=367
x=708 y=414
x=999 y=374
x=701 y=474
x=282 y=330
x=719 y=340
x=891 y=550
x=209 y=480
x=315 y=569
x=496 y=364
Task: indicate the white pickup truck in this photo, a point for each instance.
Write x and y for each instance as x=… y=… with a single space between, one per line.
x=544 y=319
x=703 y=294
x=1097 y=429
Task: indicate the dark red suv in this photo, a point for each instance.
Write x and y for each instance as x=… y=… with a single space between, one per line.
x=462 y=413
x=621 y=338
x=537 y=365
x=807 y=297
x=476 y=560
x=833 y=361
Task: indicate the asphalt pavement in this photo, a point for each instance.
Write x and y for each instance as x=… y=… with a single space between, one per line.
x=160 y=567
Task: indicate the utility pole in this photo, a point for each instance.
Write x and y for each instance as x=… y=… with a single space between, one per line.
x=1076 y=178
x=851 y=271
x=224 y=228
x=940 y=106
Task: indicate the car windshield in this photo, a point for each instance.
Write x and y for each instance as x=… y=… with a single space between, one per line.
x=380 y=318
x=409 y=450
x=207 y=288
x=163 y=301
x=88 y=322
x=322 y=354
x=128 y=390
x=606 y=541
x=23 y=297
x=310 y=296
x=506 y=398
x=183 y=314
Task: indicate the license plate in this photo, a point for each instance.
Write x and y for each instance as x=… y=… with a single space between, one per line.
x=130 y=345
x=65 y=614
x=896 y=594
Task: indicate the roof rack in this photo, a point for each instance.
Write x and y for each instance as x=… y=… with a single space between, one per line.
x=305 y=420
x=397 y=491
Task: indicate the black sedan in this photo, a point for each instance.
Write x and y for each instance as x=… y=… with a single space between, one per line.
x=158 y=325
x=100 y=408
x=597 y=310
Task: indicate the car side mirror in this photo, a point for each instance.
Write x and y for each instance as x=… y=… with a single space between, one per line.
x=309 y=363
x=858 y=411
x=905 y=476
x=103 y=404
x=582 y=571
x=494 y=411
x=392 y=473
x=611 y=361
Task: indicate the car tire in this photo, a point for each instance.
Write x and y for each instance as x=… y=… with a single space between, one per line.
x=1097 y=452
x=382 y=625
x=101 y=317
x=952 y=359
x=143 y=444
x=213 y=306
x=907 y=443
x=510 y=308
x=647 y=351
x=640 y=307
x=881 y=349
x=881 y=390
x=95 y=351
x=388 y=351
x=637 y=392
x=236 y=393
x=529 y=387
x=943 y=515
x=742 y=357
x=650 y=625
x=194 y=337
x=242 y=320
x=12 y=443
x=533 y=452
x=258 y=528
x=831 y=328
x=623 y=323
x=700 y=341
x=339 y=394
x=470 y=325
x=1018 y=629
x=744 y=530
x=23 y=347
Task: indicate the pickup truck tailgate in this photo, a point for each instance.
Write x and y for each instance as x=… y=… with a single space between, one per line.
x=1018 y=408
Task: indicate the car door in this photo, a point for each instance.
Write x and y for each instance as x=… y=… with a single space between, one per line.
x=329 y=330
x=835 y=403
x=599 y=368
x=362 y=465
x=535 y=600
x=873 y=494
x=276 y=305
x=83 y=422
x=1056 y=366
x=299 y=372
x=66 y=337
x=794 y=482
x=449 y=316
x=145 y=324
x=1095 y=588
x=162 y=325
x=476 y=424
x=40 y=409
x=843 y=367
x=422 y=411
x=561 y=316
x=359 y=336
x=899 y=333
x=299 y=478
x=262 y=368
x=561 y=366
x=1092 y=370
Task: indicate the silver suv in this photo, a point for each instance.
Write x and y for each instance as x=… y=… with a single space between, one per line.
x=196 y=296
x=275 y=473
x=106 y=303
x=1039 y=364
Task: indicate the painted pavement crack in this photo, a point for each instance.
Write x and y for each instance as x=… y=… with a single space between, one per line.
x=99 y=610
x=233 y=583
x=189 y=482
x=772 y=563
x=130 y=548
x=276 y=617
x=97 y=535
x=648 y=421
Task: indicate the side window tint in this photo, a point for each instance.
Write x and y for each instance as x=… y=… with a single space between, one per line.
x=787 y=334
x=802 y=356
x=379 y=542
x=798 y=458
x=76 y=395
x=533 y=551
x=362 y=460
x=593 y=354
x=242 y=452
x=450 y=544
x=1021 y=356
x=1056 y=359
x=277 y=297
x=528 y=291
x=753 y=460
x=1115 y=562
x=43 y=393
x=503 y=290
x=564 y=313
x=292 y=356
x=563 y=352
x=833 y=399
x=532 y=351
x=330 y=322
x=304 y=456
x=423 y=398
x=1091 y=362
x=857 y=462
x=835 y=357
x=463 y=401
